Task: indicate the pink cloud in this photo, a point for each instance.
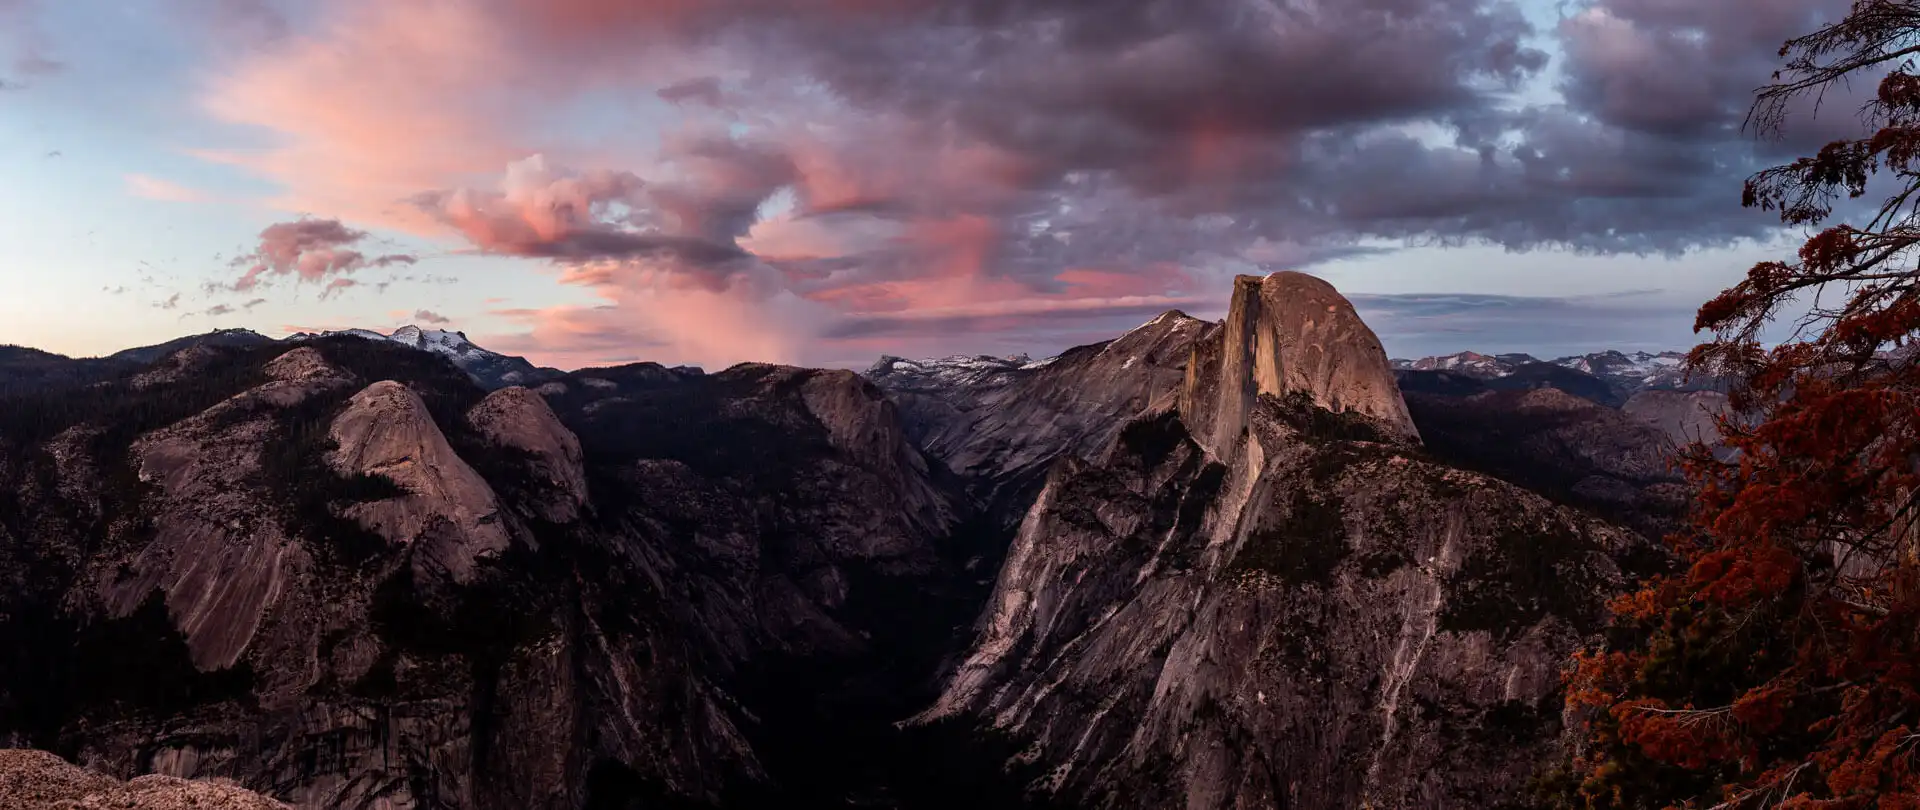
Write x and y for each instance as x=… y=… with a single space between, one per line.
x=1048 y=306
x=309 y=250
x=400 y=116
x=154 y=188
x=382 y=101
x=749 y=317
x=538 y=211
x=1104 y=283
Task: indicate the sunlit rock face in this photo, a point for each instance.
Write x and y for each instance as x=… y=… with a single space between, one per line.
x=1289 y=333
x=520 y=419
x=443 y=505
x=1269 y=595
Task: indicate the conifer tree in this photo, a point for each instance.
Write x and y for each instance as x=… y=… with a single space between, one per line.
x=1780 y=667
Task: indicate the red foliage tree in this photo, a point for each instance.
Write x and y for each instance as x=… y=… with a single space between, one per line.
x=1782 y=667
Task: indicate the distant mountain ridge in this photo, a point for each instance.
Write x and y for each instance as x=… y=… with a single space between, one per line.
x=959 y=369
x=23 y=368
x=236 y=338
x=1630 y=373
x=491 y=370
x=1591 y=430
x=1003 y=421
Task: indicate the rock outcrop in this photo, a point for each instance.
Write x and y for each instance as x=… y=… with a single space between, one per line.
x=385 y=432
x=1324 y=625
x=220 y=559
x=1566 y=447
x=37 y=780
x=1291 y=605
x=1684 y=416
x=351 y=578
x=205 y=599
x=1287 y=333
x=520 y=419
x=1000 y=425
x=861 y=423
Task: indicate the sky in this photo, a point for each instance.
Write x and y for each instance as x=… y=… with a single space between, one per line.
x=819 y=182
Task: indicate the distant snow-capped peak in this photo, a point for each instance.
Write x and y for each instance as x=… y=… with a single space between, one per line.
x=438 y=341
x=958 y=369
x=975 y=370
x=490 y=369
x=1472 y=364
x=1625 y=370
x=435 y=340
x=1638 y=365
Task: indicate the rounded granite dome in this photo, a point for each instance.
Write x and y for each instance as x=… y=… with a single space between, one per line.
x=1291 y=332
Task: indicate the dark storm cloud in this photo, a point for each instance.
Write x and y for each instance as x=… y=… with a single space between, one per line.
x=1167 y=93
x=692 y=222
x=1686 y=70
x=945 y=155
x=1281 y=114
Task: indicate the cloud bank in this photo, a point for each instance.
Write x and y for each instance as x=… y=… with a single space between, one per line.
x=825 y=179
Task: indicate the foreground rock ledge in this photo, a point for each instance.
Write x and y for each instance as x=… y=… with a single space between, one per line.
x=37 y=780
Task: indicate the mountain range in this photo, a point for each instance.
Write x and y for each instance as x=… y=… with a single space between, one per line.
x=1213 y=564
x=22 y=367
x=1624 y=374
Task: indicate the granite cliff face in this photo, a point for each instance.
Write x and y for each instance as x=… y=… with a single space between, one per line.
x=344 y=576
x=1568 y=448
x=1001 y=425
x=280 y=572
x=1291 y=604
x=517 y=419
x=1684 y=416
x=1289 y=333
x=447 y=510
